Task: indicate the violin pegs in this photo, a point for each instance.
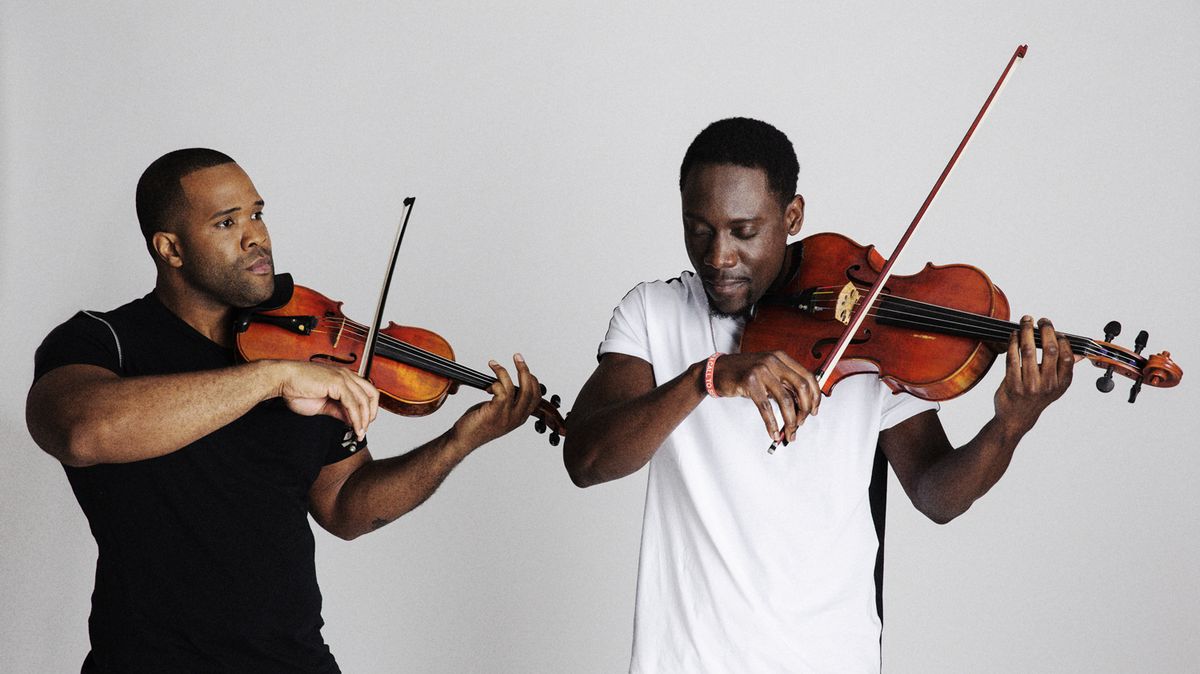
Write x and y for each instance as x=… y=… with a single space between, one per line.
x=1135 y=390
x=1105 y=383
x=541 y=389
x=554 y=439
x=539 y=426
x=1111 y=329
x=555 y=400
x=1140 y=342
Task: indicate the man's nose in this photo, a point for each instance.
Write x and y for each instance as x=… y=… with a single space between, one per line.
x=721 y=254
x=255 y=234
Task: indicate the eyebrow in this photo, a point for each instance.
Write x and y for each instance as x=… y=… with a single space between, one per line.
x=735 y=221
x=260 y=203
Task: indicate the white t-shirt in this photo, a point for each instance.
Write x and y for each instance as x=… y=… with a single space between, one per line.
x=752 y=562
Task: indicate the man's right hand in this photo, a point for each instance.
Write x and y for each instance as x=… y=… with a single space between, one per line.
x=763 y=377
x=317 y=388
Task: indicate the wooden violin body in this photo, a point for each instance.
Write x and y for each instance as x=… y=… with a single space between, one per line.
x=332 y=338
x=413 y=369
x=933 y=334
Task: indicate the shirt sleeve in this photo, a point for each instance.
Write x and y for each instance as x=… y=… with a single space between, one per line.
x=900 y=406
x=627 y=328
x=86 y=339
x=342 y=443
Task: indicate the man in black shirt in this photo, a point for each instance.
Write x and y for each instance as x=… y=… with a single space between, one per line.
x=196 y=473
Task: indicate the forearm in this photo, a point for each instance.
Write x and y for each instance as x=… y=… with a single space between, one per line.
x=89 y=420
x=618 y=439
x=383 y=490
x=958 y=478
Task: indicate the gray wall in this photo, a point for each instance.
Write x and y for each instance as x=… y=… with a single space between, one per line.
x=543 y=143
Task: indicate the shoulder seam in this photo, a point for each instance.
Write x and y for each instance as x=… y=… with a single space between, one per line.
x=120 y=354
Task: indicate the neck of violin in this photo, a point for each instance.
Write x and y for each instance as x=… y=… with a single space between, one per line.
x=903 y=312
x=408 y=354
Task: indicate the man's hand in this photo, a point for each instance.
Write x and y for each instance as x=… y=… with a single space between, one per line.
x=509 y=407
x=1029 y=386
x=317 y=388
x=763 y=377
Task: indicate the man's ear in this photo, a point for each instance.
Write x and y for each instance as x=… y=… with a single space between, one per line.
x=794 y=215
x=166 y=248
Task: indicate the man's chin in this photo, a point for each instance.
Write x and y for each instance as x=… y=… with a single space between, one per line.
x=255 y=294
x=726 y=309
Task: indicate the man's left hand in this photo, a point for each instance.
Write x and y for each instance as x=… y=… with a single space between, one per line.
x=510 y=406
x=1030 y=386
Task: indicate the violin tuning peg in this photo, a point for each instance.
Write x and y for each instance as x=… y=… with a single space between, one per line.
x=1135 y=390
x=554 y=439
x=1140 y=342
x=1105 y=384
x=541 y=389
x=555 y=400
x=1111 y=330
x=539 y=426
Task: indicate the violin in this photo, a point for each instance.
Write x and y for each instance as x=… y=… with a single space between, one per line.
x=933 y=334
x=413 y=368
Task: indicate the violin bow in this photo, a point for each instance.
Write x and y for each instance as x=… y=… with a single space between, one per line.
x=364 y=369
x=860 y=314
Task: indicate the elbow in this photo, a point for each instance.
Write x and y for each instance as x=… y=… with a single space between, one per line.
x=939 y=518
x=941 y=505
x=340 y=527
x=579 y=476
x=581 y=481
x=579 y=467
x=74 y=446
x=943 y=513
x=81 y=449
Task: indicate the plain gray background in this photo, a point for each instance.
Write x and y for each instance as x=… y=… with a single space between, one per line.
x=542 y=143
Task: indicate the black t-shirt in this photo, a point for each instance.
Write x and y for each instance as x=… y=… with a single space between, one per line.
x=205 y=555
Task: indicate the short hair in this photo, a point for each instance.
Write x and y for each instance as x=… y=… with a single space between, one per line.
x=160 y=198
x=750 y=143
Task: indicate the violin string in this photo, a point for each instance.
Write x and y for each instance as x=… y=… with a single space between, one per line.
x=923 y=314
x=985 y=327
x=421 y=357
x=417 y=356
x=416 y=359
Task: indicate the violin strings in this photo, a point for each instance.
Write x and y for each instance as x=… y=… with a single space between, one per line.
x=409 y=354
x=923 y=314
x=973 y=325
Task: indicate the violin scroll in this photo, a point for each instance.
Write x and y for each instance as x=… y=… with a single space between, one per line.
x=1157 y=370
x=549 y=418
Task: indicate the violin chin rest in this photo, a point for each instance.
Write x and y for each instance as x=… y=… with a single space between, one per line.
x=284 y=288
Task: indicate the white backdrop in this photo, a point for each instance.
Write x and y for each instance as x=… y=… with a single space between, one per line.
x=542 y=143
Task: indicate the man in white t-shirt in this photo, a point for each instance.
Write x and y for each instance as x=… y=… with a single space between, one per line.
x=757 y=562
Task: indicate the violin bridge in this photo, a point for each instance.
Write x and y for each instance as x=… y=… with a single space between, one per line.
x=846 y=301
x=337 y=337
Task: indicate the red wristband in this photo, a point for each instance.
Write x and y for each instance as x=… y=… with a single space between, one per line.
x=708 y=374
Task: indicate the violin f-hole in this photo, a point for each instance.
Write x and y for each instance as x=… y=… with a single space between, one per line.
x=327 y=356
x=822 y=343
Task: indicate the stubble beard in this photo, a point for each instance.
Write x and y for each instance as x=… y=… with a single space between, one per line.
x=742 y=312
x=233 y=287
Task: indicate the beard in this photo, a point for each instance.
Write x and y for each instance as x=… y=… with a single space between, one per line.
x=230 y=285
x=717 y=313
x=742 y=311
